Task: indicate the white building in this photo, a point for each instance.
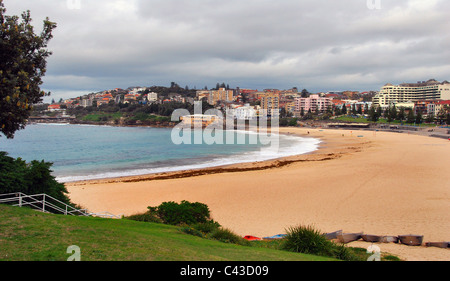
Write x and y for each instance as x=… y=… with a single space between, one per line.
x=152 y=97
x=245 y=112
x=86 y=102
x=135 y=91
x=429 y=90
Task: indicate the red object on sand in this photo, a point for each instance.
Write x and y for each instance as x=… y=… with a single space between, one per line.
x=251 y=238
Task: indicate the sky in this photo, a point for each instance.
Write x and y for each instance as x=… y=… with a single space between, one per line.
x=318 y=45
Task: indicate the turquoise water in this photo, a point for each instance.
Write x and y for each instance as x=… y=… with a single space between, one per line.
x=80 y=152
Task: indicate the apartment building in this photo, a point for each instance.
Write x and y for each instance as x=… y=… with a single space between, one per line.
x=412 y=92
x=315 y=103
x=221 y=94
x=270 y=104
x=242 y=112
x=152 y=97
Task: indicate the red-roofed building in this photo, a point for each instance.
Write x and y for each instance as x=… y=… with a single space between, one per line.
x=333 y=96
x=442 y=106
x=54 y=107
x=338 y=103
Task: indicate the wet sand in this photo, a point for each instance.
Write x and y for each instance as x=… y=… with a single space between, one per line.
x=376 y=182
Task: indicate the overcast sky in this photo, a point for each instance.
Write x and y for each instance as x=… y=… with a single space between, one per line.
x=320 y=45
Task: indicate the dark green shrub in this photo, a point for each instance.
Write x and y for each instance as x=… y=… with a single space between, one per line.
x=306 y=239
x=183 y=213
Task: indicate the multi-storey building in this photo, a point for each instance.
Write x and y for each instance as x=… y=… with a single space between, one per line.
x=315 y=103
x=429 y=90
x=152 y=97
x=270 y=104
x=221 y=94
x=242 y=112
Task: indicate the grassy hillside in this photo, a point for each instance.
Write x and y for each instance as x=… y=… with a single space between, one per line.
x=28 y=235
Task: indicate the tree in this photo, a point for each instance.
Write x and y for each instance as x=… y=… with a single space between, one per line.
x=359 y=111
x=411 y=117
x=373 y=115
x=23 y=63
x=379 y=112
x=305 y=93
x=393 y=112
x=430 y=117
x=401 y=114
x=419 y=118
x=388 y=115
x=338 y=111
x=344 y=110
x=31 y=178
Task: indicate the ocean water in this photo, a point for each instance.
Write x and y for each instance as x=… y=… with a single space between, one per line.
x=82 y=152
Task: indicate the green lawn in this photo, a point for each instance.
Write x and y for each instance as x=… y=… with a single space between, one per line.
x=28 y=235
x=101 y=116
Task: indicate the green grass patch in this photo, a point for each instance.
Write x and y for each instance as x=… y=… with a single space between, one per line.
x=101 y=116
x=141 y=116
x=28 y=235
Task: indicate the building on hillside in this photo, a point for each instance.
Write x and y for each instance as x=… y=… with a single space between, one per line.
x=137 y=90
x=442 y=107
x=54 y=107
x=338 y=103
x=152 y=97
x=85 y=102
x=221 y=94
x=103 y=101
x=270 y=104
x=247 y=91
x=290 y=107
x=242 y=112
x=427 y=107
x=429 y=90
x=130 y=98
x=315 y=103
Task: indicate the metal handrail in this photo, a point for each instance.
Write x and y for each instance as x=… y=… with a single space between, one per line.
x=34 y=202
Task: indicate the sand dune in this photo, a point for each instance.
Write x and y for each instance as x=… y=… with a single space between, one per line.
x=376 y=182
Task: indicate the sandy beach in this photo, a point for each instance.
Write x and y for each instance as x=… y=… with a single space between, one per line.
x=379 y=183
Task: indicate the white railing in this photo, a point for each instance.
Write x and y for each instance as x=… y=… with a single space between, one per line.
x=45 y=203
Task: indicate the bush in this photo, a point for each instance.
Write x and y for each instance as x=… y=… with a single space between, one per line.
x=307 y=240
x=183 y=213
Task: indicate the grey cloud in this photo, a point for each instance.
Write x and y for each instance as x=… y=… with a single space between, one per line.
x=320 y=45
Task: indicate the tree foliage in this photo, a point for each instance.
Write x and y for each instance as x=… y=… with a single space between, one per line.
x=23 y=63
x=30 y=178
x=181 y=213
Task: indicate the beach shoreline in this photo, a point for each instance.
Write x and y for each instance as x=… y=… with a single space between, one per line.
x=377 y=182
x=227 y=168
